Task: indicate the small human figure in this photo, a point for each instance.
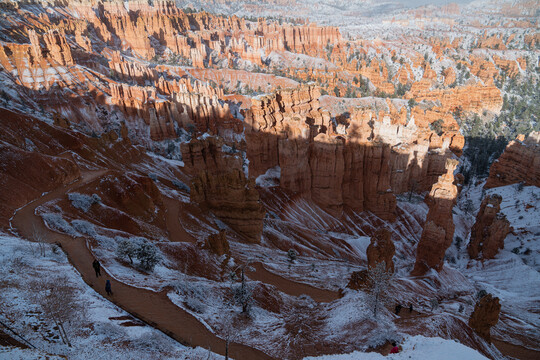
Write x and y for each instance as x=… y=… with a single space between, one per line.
x=97 y=268
x=395 y=348
x=398 y=308
x=410 y=308
x=108 y=287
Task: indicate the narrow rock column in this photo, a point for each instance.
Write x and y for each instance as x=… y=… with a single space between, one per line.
x=439 y=227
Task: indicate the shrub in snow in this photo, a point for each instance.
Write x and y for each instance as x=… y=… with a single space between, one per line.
x=180 y=185
x=56 y=222
x=242 y=293
x=381 y=335
x=126 y=249
x=139 y=248
x=105 y=241
x=109 y=330
x=148 y=255
x=193 y=294
x=84 y=227
x=292 y=255
x=82 y=201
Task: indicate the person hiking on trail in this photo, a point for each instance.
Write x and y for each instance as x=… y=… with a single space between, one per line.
x=395 y=348
x=108 y=287
x=97 y=268
x=410 y=308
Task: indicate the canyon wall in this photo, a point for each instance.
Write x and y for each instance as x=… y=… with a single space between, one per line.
x=359 y=162
x=220 y=185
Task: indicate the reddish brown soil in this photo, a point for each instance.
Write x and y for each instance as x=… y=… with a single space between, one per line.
x=291 y=287
x=516 y=351
x=172 y=219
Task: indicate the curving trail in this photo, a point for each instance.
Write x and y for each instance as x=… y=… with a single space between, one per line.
x=176 y=231
x=291 y=287
x=153 y=308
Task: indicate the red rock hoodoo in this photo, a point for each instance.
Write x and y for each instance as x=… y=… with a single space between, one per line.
x=490 y=229
x=439 y=227
x=485 y=316
x=381 y=249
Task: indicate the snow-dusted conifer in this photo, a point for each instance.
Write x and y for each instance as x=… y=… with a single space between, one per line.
x=378 y=294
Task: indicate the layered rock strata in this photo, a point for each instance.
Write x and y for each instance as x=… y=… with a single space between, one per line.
x=220 y=184
x=519 y=163
x=439 y=227
x=358 y=162
x=232 y=198
x=490 y=229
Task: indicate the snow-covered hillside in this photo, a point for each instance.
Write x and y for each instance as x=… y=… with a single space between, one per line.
x=96 y=328
x=417 y=348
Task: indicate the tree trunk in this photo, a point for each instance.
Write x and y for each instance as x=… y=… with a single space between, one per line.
x=60 y=331
x=65 y=334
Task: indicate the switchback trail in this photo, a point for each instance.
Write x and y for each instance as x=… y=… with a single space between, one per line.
x=153 y=308
x=291 y=287
x=176 y=231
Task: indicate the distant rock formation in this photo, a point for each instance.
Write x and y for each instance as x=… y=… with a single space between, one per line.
x=520 y=162
x=439 y=227
x=56 y=47
x=490 y=229
x=485 y=316
x=381 y=249
x=358 y=162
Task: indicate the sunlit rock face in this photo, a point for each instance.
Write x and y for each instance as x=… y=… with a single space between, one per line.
x=519 y=163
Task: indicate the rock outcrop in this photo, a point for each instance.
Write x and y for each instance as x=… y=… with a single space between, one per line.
x=519 y=163
x=55 y=47
x=233 y=199
x=217 y=243
x=359 y=280
x=490 y=229
x=381 y=249
x=485 y=316
x=438 y=230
